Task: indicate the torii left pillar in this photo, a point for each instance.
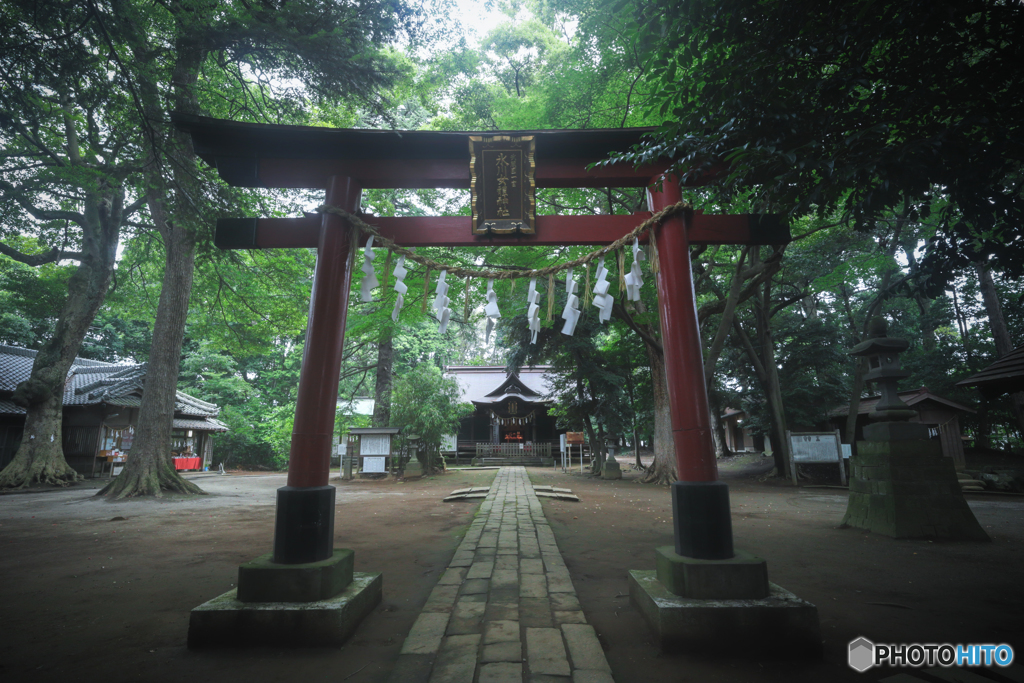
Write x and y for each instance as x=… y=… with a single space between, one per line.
x=304 y=529
x=304 y=593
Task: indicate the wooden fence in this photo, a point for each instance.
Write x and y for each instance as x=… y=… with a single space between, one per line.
x=513 y=450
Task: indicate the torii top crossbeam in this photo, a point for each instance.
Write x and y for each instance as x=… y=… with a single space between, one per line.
x=273 y=156
x=342 y=162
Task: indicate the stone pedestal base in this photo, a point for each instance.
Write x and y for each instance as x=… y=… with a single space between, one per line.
x=413 y=468
x=611 y=469
x=907 y=489
x=262 y=580
x=742 y=577
x=780 y=626
x=225 y=621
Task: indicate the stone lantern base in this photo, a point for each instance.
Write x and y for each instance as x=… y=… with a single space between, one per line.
x=907 y=489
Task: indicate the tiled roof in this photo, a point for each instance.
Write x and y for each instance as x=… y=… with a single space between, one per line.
x=10 y=408
x=477 y=382
x=207 y=425
x=911 y=397
x=1004 y=376
x=92 y=381
x=15 y=366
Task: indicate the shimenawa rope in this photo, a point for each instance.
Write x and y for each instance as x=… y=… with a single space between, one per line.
x=457 y=271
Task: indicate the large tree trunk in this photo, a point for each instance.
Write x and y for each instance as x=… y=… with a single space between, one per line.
x=962 y=326
x=772 y=386
x=853 y=410
x=40 y=458
x=997 y=325
x=149 y=468
x=382 y=393
x=717 y=426
x=763 y=362
x=588 y=425
x=632 y=413
x=172 y=196
x=924 y=303
x=663 y=469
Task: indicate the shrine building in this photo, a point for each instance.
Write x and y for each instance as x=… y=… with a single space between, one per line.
x=511 y=411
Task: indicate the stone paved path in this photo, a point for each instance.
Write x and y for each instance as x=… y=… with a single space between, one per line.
x=505 y=610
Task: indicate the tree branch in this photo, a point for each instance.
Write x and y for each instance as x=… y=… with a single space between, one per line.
x=17 y=194
x=33 y=260
x=620 y=311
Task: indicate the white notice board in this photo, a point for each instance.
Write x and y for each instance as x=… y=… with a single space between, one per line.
x=814 y=447
x=817 y=447
x=449 y=443
x=374 y=465
x=375 y=444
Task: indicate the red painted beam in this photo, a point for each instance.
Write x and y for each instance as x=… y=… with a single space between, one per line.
x=454 y=231
x=425 y=173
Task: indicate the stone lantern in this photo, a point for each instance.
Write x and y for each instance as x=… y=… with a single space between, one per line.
x=900 y=483
x=890 y=415
x=412 y=466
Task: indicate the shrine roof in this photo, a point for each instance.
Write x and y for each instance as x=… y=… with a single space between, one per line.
x=219 y=137
x=1006 y=375
x=912 y=397
x=92 y=382
x=479 y=382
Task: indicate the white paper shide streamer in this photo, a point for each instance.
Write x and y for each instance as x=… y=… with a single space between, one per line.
x=399 y=272
x=533 y=312
x=491 y=309
x=602 y=299
x=441 y=302
x=571 y=312
x=370 y=279
x=634 y=280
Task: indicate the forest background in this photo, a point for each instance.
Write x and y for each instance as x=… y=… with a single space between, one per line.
x=887 y=134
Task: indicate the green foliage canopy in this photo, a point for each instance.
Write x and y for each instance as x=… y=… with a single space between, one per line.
x=860 y=105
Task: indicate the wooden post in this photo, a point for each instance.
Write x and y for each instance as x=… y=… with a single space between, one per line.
x=701 y=518
x=313 y=432
x=304 y=528
x=684 y=359
x=842 y=464
x=792 y=456
x=99 y=447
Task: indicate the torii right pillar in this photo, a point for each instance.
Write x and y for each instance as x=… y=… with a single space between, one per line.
x=704 y=594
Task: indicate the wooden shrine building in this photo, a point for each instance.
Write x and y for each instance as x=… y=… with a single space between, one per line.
x=511 y=409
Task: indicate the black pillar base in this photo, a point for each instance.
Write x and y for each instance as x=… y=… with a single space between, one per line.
x=702 y=520
x=304 y=529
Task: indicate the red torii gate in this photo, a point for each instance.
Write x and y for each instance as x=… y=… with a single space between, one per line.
x=343 y=162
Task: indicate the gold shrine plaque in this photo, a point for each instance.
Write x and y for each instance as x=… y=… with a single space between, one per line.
x=501 y=172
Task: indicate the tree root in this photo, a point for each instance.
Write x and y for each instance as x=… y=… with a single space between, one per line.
x=149 y=482
x=657 y=476
x=22 y=473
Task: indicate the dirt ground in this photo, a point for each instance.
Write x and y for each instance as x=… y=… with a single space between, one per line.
x=93 y=590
